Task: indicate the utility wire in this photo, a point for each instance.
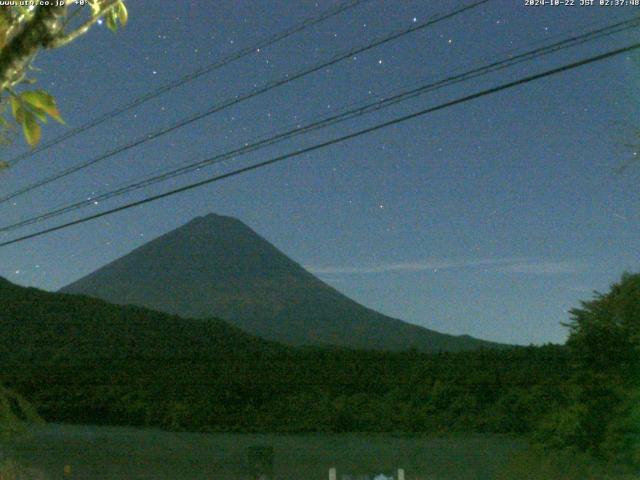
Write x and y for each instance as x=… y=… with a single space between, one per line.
x=267 y=42
x=590 y=35
x=334 y=141
x=336 y=118
x=240 y=98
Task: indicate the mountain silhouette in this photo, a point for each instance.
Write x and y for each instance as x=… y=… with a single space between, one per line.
x=216 y=266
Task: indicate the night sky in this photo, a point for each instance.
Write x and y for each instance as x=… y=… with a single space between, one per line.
x=492 y=218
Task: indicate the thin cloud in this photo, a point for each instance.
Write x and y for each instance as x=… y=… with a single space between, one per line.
x=411 y=266
x=499 y=265
x=544 y=268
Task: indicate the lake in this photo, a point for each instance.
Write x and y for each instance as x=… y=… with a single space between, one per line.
x=114 y=453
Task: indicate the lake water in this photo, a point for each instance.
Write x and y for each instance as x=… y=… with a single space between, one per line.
x=111 y=453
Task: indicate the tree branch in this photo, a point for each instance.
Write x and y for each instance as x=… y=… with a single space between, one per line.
x=84 y=28
x=40 y=32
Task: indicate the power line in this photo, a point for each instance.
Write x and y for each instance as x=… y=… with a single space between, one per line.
x=240 y=98
x=337 y=118
x=334 y=141
x=267 y=42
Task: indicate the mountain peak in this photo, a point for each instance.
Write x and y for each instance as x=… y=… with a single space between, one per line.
x=213 y=223
x=214 y=218
x=217 y=266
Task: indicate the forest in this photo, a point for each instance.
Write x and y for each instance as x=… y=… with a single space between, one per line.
x=80 y=360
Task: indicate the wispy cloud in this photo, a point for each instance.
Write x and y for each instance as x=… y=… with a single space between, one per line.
x=419 y=266
x=544 y=267
x=500 y=265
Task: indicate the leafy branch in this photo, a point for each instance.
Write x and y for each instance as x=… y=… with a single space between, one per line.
x=114 y=11
x=24 y=31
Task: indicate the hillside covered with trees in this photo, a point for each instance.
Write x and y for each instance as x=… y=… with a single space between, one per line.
x=81 y=360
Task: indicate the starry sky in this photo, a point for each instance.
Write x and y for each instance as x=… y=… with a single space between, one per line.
x=491 y=218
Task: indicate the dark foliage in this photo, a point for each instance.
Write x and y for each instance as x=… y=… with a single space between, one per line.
x=602 y=416
x=82 y=360
x=85 y=361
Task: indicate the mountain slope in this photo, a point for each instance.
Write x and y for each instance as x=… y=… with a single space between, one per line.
x=216 y=266
x=38 y=326
x=81 y=359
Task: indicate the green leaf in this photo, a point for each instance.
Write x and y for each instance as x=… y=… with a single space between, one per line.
x=31 y=129
x=37 y=98
x=112 y=20
x=3 y=165
x=42 y=102
x=39 y=114
x=17 y=110
x=123 y=14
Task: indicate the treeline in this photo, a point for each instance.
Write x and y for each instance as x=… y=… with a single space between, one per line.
x=334 y=391
x=84 y=361
x=601 y=420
